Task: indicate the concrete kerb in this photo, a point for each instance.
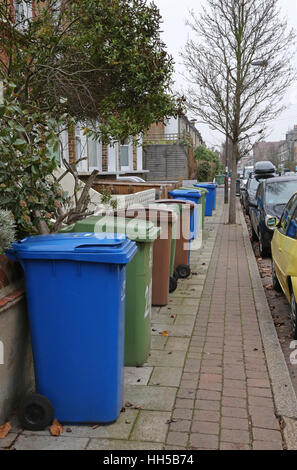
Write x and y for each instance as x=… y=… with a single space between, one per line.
x=283 y=390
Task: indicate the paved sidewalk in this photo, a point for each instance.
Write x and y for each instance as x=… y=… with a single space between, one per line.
x=206 y=384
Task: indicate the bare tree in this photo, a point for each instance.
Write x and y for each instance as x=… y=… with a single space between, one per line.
x=241 y=49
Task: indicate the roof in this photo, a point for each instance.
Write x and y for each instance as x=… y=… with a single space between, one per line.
x=280 y=179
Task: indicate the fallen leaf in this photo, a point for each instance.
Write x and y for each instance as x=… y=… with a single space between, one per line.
x=269 y=287
x=4 y=429
x=95 y=426
x=164 y=333
x=128 y=404
x=137 y=407
x=128 y=421
x=68 y=430
x=123 y=410
x=56 y=428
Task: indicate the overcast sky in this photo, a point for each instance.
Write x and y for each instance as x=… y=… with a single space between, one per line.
x=174 y=13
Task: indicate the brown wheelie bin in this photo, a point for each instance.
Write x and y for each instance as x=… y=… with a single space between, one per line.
x=163 y=218
x=181 y=261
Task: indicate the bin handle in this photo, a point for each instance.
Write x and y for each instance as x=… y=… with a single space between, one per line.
x=94 y=247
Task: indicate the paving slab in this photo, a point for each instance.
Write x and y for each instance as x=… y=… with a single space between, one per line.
x=151 y=426
x=137 y=375
x=166 y=376
x=38 y=442
x=167 y=358
x=109 y=444
x=151 y=398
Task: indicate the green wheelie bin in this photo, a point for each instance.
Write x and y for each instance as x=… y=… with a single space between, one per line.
x=220 y=179
x=203 y=193
x=138 y=279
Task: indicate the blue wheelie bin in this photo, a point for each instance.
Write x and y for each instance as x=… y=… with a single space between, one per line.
x=75 y=285
x=210 y=197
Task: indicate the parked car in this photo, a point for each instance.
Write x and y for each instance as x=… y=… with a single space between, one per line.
x=263 y=170
x=248 y=193
x=246 y=172
x=271 y=198
x=284 y=257
x=264 y=167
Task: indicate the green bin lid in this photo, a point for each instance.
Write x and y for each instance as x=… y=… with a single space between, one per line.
x=135 y=229
x=195 y=188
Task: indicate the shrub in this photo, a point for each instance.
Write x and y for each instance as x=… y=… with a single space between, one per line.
x=7 y=230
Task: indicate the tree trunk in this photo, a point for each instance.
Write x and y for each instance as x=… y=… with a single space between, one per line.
x=232 y=205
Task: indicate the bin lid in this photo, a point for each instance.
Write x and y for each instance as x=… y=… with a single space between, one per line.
x=149 y=212
x=206 y=185
x=181 y=204
x=135 y=229
x=201 y=189
x=93 y=247
x=185 y=193
x=176 y=201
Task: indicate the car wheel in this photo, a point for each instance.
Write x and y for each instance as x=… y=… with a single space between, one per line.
x=275 y=282
x=293 y=315
x=263 y=250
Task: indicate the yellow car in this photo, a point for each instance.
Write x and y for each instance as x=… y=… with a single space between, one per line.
x=284 y=257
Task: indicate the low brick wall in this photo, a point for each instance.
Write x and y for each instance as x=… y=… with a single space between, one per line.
x=16 y=364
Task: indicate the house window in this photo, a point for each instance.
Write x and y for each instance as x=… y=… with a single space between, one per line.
x=124 y=154
x=81 y=148
x=95 y=154
x=22 y=10
x=78 y=147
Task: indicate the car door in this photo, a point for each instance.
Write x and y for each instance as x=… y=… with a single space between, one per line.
x=252 y=214
x=256 y=212
x=285 y=243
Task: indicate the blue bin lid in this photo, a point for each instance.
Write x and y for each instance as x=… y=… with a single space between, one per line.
x=185 y=193
x=92 y=247
x=206 y=185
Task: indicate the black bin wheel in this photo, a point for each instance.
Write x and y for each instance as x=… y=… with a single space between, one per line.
x=183 y=271
x=35 y=412
x=172 y=284
x=175 y=274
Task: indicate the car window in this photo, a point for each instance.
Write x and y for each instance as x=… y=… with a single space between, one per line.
x=290 y=208
x=253 y=184
x=259 y=196
x=280 y=192
x=292 y=226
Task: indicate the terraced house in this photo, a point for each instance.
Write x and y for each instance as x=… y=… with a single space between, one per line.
x=119 y=158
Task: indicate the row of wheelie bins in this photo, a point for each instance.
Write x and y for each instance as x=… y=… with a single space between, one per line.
x=89 y=294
